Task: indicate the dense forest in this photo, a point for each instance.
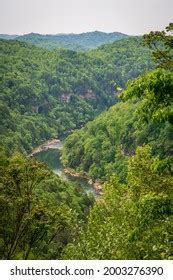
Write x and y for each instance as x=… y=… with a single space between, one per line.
x=131 y=146
x=117 y=104
x=104 y=145
x=44 y=94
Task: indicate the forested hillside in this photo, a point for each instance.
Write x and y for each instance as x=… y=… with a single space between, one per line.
x=44 y=94
x=83 y=41
x=104 y=145
x=132 y=145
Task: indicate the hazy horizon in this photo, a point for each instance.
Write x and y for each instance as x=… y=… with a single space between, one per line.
x=132 y=17
x=71 y=33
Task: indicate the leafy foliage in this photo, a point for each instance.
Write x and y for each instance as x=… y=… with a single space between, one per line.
x=161 y=42
x=155 y=90
x=39 y=212
x=131 y=221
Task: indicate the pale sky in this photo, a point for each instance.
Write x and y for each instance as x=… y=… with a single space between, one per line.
x=76 y=16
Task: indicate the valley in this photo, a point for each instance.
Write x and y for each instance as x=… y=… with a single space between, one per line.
x=86 y=146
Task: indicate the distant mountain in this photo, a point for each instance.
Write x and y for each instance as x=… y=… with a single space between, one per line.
x=83 y=41
x=8 y=37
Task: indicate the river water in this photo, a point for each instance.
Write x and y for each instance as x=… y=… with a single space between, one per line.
x=52 y=158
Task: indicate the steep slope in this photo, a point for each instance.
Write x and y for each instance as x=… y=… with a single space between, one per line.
x=104 y=145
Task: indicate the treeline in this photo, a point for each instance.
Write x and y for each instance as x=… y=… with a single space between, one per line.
x=44 y=94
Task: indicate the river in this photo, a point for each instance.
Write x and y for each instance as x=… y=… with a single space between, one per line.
x=51 y=157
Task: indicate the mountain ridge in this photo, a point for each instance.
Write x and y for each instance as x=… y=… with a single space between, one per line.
x=82 y=41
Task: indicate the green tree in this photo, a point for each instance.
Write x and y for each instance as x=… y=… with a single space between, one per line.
x=131 y=221
x=161 y=43
x=32 y=224
x=154 y=89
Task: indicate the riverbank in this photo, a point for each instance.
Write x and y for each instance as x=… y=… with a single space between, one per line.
x=57 y=144
x=97 y=185
x=50 y=144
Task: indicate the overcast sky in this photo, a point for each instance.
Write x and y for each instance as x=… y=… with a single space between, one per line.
x=75 y=16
